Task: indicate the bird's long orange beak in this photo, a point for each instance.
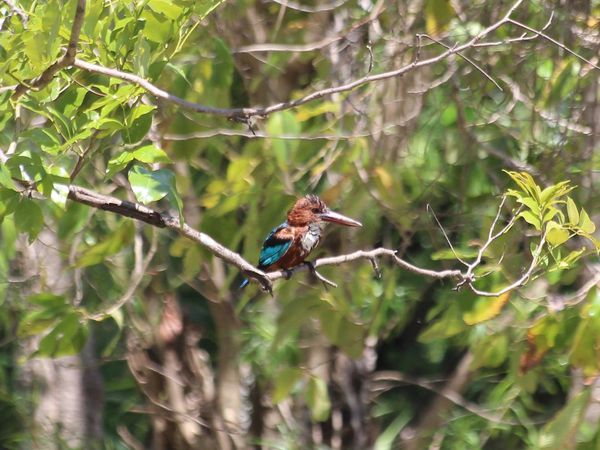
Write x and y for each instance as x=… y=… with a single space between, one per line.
x=333 y=217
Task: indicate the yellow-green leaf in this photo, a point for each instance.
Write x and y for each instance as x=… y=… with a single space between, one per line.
x=572 y=211
x=485 y=309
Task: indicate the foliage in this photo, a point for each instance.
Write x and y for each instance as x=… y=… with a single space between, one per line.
x=311 y=359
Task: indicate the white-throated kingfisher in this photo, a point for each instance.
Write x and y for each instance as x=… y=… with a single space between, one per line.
x=289 y=244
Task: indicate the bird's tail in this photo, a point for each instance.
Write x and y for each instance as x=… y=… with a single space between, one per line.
x=244 y=283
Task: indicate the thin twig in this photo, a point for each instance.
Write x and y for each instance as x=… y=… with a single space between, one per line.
x=430 y=209
x=554 y=41
x=469 y=60
x=521 y=281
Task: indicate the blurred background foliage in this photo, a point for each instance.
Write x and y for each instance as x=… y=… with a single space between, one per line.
x=116 y=335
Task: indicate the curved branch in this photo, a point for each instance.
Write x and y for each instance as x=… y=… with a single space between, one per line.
x=371 y=255
x=247 y=113
x=164 y=220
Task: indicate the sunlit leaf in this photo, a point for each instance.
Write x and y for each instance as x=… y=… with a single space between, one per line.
x=150 y=186
x=585 y=223
x=556 y=234
x=572 y=211
x=531 y=219
x=485 y=309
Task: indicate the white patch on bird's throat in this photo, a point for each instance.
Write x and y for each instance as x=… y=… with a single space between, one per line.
x=311 y=238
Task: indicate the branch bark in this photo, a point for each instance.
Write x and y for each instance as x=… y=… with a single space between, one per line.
x=164 y=220
x=245 y=114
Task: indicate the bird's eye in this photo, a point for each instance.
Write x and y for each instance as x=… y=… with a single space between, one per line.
x=315 y=210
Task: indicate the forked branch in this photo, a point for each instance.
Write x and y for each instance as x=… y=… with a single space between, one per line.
x=163 y=220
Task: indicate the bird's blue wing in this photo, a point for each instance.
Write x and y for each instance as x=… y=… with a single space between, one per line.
x=273 y=248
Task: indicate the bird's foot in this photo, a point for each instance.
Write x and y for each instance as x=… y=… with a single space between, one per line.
x=287 y=273
x=313 y=270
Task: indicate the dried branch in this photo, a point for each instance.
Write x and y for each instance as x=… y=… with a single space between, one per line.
x=318 y=45
x=163 y=220
x=245 y=114
x=553 y=41
x=369 y=255
x=67 y=59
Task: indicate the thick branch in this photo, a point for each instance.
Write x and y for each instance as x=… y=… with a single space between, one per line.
x=67 y=59
x=162 y=220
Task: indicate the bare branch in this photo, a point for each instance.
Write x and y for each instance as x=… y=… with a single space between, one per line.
x=554 y=41
x=162 y=220
x=521 y=281
x=318 y=45
x=67 y=59
x=246 y=113
x=369 y=255
x=312 y=9
x=469 y=60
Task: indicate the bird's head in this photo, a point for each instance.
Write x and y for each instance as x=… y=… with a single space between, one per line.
x=311 y=209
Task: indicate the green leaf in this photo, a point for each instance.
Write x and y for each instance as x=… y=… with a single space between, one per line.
x=137 y=123
x=464 y=253
x=556 y=234
x=204 y=7
x=47 y=299
x=385 y=441
x=151 y=154
x=317 y=399
x=67 y=338
x=29 y=218
x=146 y=154
x=450 y=324
x=6 y=178
x=449 y=115
x=151 y=186
x=485 y=309
x=531 y=204
x=545 y=69
x=166 y=7
x=560 y=433
x=283 y=123
x=572 y=211
x=113 y=244
x=438 y=14
x=285 y=381
x=531 y=219
x=158 y=28
x=585 y=223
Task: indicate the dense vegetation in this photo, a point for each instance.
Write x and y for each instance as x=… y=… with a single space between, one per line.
x=465 y=136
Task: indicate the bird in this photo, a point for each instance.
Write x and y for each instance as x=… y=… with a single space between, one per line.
x=288 y=244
